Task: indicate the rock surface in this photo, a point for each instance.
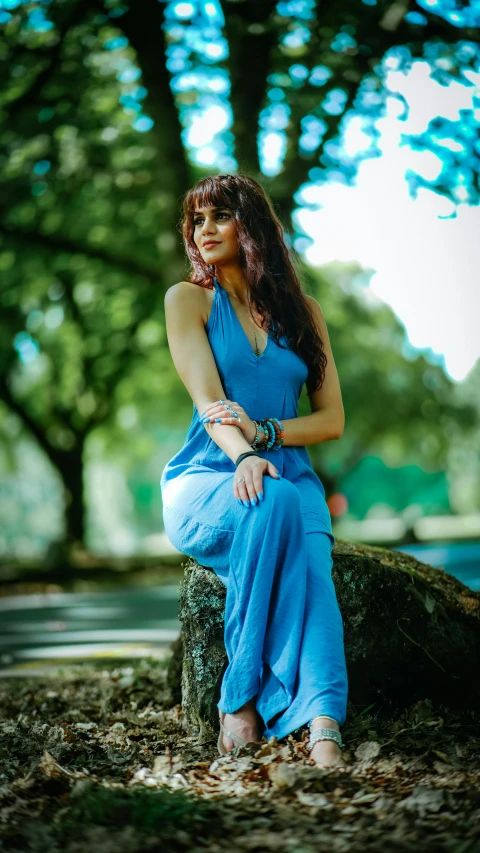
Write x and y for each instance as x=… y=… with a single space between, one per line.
x=411 y=632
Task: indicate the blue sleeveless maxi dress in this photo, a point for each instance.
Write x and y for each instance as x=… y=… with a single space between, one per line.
x=283 y=627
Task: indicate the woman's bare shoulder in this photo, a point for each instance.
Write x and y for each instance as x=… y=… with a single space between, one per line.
x=191 y=296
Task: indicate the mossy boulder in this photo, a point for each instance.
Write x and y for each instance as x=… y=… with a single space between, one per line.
x=411 y=632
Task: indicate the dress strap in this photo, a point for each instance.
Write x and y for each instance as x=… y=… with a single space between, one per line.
x=214 y=308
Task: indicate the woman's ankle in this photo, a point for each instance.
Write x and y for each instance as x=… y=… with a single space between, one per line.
x=249 y=706
x=320 y=722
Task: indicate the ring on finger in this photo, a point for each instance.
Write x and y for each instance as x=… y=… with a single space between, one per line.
x=232 y=411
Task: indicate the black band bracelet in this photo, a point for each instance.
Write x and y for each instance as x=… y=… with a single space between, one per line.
x=244 y=455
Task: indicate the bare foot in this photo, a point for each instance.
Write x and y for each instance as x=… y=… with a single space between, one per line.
x=326 y=753
x=244 y=722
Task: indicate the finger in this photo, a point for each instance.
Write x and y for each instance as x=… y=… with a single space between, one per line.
x=212 y=411
x=242 y=491
x=219 y=411
x=229 y=408
x=226 y=420
x=258 y=483
x=251 y=490
x=247 y=489
x=216 y=406
x=226 y=405
x=212 y=418
x=222 y=417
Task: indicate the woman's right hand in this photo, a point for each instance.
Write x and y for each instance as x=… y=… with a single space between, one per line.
x=252 y=468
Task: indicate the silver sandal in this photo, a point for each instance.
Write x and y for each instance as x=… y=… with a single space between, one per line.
x=221 y=748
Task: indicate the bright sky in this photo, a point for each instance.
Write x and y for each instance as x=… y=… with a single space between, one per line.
x=426 y=268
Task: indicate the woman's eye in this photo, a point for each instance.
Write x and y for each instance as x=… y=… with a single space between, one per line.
x=200 y=221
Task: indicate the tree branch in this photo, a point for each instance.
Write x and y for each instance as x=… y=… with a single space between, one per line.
x=143 y=26
x=374 y=30
x=36 y=430
x=65 y=244
x=251 y=37
x=28 y=97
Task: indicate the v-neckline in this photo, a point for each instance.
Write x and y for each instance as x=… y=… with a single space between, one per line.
x=257 y=357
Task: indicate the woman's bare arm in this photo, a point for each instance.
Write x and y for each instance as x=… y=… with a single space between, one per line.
x=194 y=362
x=327 y=421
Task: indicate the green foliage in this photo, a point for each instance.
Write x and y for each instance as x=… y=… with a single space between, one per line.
x=90 y=205
x=160 y=811
x=399 y=408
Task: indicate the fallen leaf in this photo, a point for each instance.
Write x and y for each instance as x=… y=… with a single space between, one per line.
x=368 y=750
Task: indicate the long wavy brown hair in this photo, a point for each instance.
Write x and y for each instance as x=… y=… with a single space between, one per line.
x=265 y=261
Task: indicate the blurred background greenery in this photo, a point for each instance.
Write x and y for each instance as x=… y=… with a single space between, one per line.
x=109 y=112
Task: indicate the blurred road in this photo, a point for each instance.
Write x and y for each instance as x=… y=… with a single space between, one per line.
x=39 y=632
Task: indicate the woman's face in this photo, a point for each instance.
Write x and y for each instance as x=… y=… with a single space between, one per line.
x=214 y=235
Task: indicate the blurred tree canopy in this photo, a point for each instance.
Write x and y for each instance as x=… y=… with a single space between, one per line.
x=109 y=111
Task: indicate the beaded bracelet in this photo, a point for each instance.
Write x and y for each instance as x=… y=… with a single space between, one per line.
x=261 y=437
x=279 y=430
x=257 y=442
x=279 y=433
x=273 y=432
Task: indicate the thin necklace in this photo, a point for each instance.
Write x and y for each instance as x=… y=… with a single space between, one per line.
x=257 y=351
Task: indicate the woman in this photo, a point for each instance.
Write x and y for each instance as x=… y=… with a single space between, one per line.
x=244 y=339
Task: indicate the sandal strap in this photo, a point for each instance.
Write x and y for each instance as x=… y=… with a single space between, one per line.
x=238 y=738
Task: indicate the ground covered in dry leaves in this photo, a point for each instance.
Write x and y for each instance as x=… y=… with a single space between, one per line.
x=96 y=758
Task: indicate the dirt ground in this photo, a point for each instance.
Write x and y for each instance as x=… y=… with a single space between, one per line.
x=96 y=756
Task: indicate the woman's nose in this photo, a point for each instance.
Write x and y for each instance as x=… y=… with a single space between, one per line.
x=208 y=227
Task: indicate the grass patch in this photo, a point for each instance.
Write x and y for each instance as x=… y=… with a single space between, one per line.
x=160 y=812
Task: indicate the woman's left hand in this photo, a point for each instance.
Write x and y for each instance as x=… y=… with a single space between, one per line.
x=217 y=413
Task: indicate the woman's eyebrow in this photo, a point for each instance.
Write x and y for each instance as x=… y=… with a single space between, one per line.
x=206 y=209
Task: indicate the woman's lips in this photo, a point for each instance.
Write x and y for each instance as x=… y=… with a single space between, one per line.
x=211 y=244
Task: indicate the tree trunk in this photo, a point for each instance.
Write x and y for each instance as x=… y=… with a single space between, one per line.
x=251 y=36
x=69 y=465
x=411 y=632
x=73 y=478
x=143 y=26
